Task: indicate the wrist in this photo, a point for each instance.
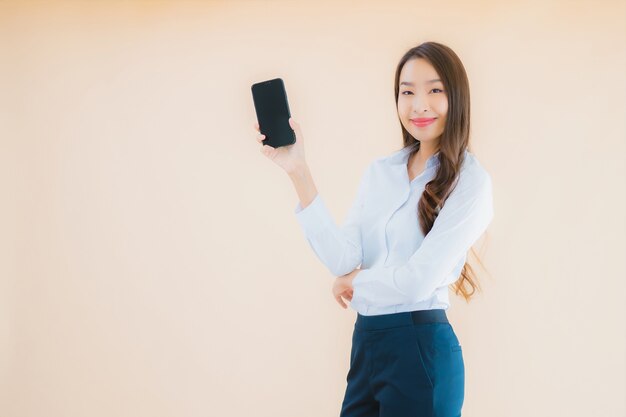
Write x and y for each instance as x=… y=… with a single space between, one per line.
x=299 y=170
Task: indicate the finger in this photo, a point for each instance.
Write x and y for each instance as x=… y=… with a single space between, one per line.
x=294 y=125
x=344 y=302
x=256 y=127
x=260 y=138
x=340 y=301
x=267 y=150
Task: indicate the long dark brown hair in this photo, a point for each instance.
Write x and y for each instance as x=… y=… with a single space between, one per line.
x=453 y=143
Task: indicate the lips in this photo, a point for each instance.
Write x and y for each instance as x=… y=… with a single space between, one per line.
x=423 y=121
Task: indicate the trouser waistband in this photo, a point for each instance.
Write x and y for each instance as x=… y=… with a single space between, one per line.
x=385 y=321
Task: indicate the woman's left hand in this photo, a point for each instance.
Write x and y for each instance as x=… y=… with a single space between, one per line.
x=343 y=287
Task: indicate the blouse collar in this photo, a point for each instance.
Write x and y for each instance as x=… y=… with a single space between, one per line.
x=401 y=157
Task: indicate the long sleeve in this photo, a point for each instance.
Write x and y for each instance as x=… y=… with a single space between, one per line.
x=463 y=219
x=338 y=247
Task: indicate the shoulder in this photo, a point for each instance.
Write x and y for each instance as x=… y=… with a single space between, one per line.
x=473 y=175
x=394 y=158
x=378 y=164
x=472 y=166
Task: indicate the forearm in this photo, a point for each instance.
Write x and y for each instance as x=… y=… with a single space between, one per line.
x=304 y=184
x=339 y=248
x=385 y=286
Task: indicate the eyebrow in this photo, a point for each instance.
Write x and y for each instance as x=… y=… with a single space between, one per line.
x=411 y=84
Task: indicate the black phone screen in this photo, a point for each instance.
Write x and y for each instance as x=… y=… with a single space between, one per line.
x=272 y=112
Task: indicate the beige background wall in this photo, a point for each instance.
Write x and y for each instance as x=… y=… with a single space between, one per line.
x=150 y=260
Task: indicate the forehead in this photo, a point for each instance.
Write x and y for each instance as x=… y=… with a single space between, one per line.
x=418 y=71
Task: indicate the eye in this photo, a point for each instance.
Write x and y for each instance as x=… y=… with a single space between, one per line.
x=439 y=89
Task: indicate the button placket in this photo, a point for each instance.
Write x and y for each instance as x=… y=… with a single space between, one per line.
x=399 y=204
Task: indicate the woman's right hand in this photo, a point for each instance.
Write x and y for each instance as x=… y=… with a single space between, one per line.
x=290 y=157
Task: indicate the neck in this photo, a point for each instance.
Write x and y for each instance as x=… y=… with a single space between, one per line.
x=425 y=151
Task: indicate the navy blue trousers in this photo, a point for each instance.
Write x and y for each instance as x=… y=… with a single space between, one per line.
x=406 y=364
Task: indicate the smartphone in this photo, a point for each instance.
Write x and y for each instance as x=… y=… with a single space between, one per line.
x=272 y=112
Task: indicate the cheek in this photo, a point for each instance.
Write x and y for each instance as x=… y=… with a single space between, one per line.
x=442 y=107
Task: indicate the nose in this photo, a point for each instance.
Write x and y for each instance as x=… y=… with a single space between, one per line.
x=420 y=104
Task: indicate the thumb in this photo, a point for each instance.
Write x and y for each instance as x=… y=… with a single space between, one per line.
x=296 y=128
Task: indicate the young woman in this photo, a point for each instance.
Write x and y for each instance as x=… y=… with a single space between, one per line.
x=405 y=239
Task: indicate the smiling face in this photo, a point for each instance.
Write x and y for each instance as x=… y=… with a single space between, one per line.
x=419 y=97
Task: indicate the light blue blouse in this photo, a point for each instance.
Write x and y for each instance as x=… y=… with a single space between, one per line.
x=401 y=269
